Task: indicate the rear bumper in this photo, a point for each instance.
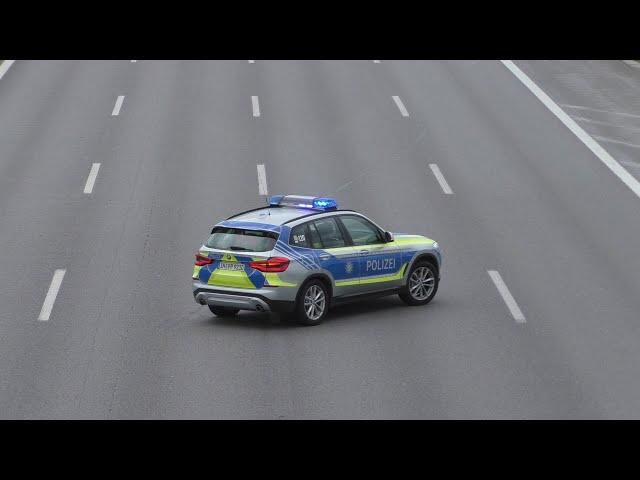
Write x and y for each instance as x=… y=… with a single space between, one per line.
x=233 y=301
x=205 y=295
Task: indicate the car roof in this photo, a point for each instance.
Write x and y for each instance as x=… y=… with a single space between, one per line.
x=274 y=215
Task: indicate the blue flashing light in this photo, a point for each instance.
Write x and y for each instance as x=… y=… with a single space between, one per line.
x=325 y=203
x=315 y=203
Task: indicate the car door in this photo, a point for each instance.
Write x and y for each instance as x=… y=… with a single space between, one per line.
x=380 y=261
x=335 y=255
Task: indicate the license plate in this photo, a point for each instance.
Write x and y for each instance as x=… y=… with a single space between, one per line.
x=234 y=267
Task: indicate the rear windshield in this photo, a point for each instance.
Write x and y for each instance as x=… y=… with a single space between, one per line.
x=241 y=240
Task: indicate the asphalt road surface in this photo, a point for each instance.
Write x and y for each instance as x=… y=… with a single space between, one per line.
x=122 y=336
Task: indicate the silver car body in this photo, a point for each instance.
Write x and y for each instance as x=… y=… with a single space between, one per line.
x=348 y=271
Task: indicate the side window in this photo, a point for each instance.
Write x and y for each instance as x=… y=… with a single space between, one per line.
x=314 y=236
x=362 y=232
x=330 y=233
x=298 y=236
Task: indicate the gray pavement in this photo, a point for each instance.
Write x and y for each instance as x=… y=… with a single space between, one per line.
x=602 y=96
x=126 y=340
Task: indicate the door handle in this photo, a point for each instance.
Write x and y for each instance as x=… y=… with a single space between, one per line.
x=325 y=257
x=364 y=252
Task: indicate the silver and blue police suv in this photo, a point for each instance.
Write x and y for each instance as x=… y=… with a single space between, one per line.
x=302 y=255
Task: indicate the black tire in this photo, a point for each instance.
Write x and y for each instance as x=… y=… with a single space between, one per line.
x=223 y=311
x=301 y=314
x=424 y=295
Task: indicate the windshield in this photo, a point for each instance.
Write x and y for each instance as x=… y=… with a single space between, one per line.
x=241 y=240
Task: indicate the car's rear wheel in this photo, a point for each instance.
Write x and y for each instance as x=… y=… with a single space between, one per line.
x=422 y=284
x=223 y=311
x=312 y=304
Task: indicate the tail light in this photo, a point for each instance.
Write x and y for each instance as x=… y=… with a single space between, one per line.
x=202 y=260
x=273 y=264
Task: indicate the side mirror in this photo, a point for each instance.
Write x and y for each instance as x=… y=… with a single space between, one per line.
x=388 y=236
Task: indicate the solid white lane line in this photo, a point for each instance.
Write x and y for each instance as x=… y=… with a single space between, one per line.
x=256 y=106
x=5 y=66
x=91 y=179
x=443 y=183
x=580 y=107
x=50 y=299
x=613 y=165
x=506 y=296
x=632 y=63
x=376 y=61
x=117 y=106
x=262 y=180
x=400 y=106
x=611 y=140
x=252 y=61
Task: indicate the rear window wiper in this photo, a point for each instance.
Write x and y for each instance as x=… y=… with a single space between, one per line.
x=240 y=249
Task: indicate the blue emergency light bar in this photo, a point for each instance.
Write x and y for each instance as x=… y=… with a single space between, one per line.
x=300 y=201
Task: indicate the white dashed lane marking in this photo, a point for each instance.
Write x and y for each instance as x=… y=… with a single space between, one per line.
x=117 y=106
x=50 y=299
x=262 y=180
x=400 y=105
x=441 y=180
x=91 y=179
x=506 y=296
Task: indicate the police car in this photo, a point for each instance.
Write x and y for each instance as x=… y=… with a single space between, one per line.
x=301 y=254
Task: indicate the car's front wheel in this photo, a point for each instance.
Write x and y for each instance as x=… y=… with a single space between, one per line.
x=312 y=304
x=422 y=284
x=223 y=311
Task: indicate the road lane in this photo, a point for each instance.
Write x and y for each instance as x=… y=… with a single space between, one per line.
x=554 y=214
x=156 y=181
x=584 y=137
x=384 y=160
x=605 y=92
x=525 y=214
x=174 y=361
x=126 y=340
x=47 y=125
